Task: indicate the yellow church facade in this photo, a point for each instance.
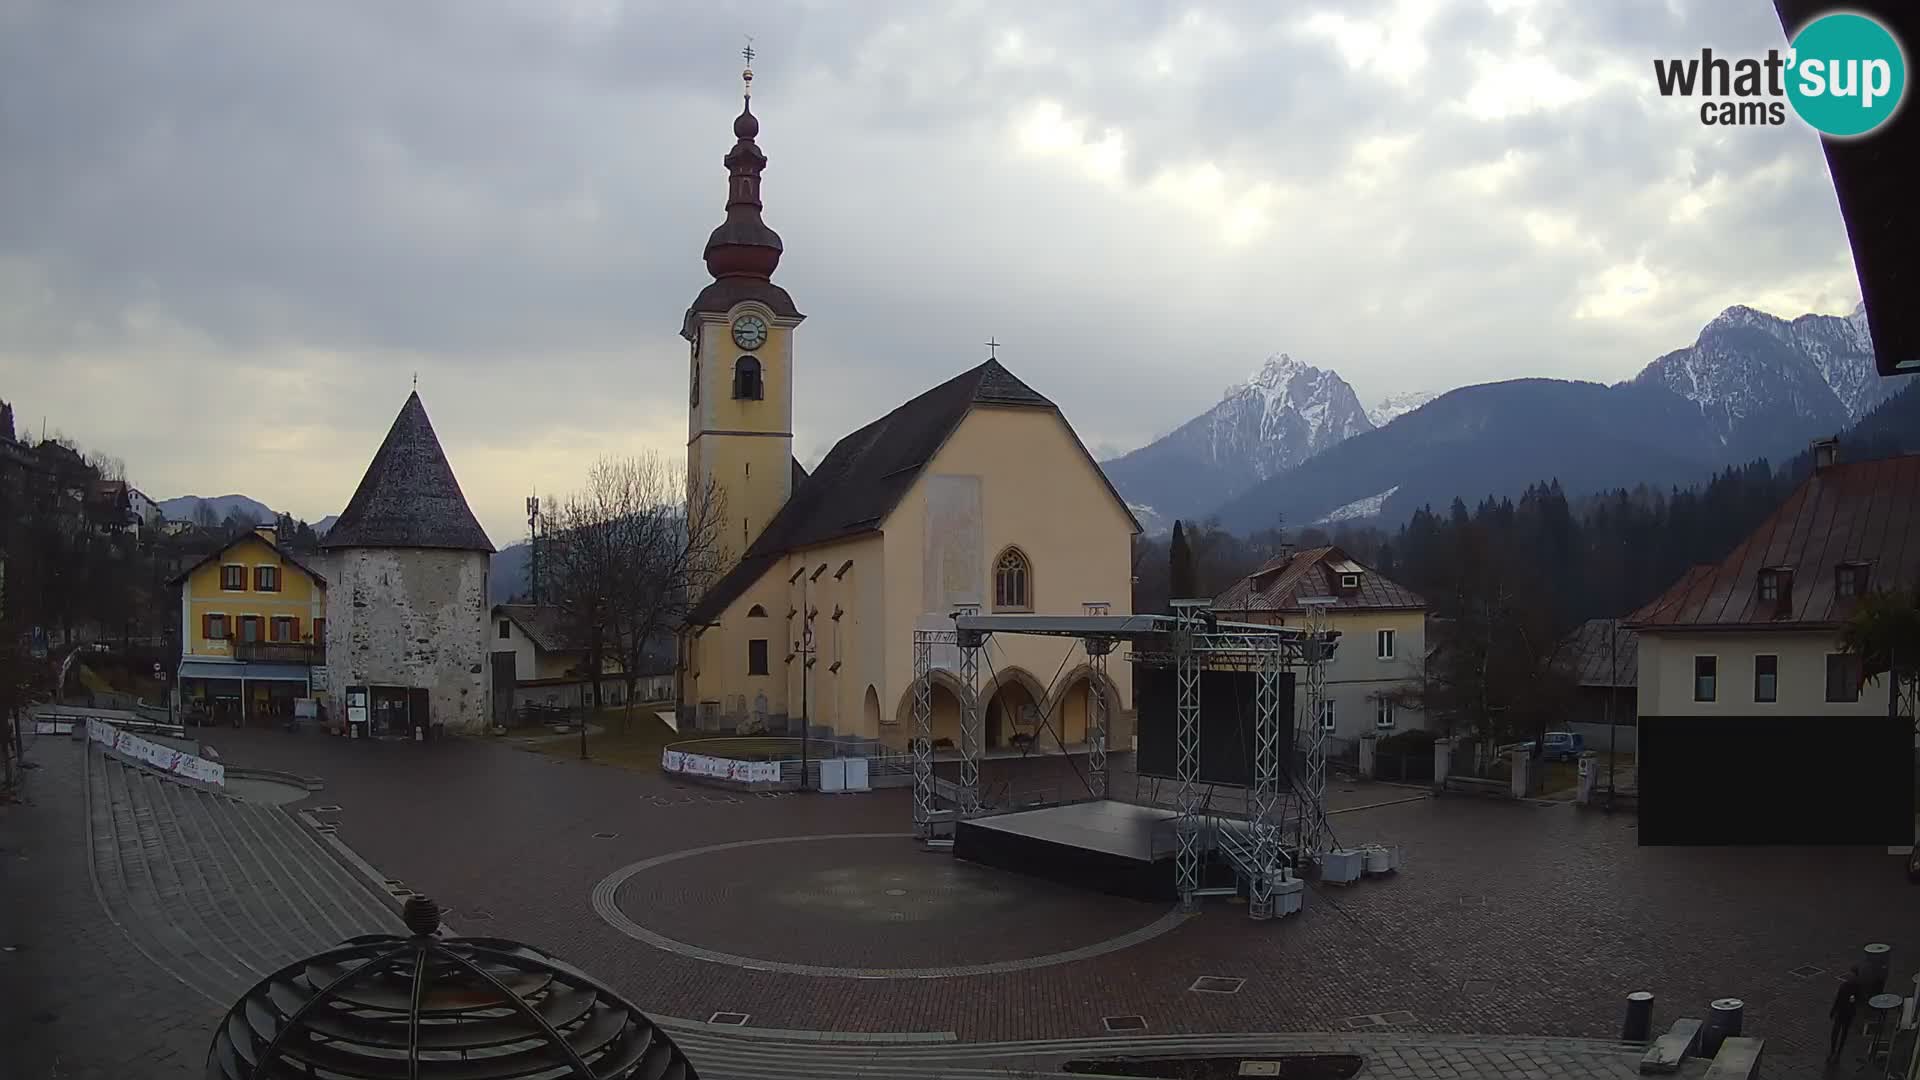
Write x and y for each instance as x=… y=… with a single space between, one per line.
x=973 y=496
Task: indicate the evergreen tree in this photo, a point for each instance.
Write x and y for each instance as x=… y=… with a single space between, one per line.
x=1182 y=583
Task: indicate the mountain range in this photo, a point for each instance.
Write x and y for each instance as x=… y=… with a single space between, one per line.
x=1292 y=445
x=187 y=508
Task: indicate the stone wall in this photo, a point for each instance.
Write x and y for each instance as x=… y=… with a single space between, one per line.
x=412 y=617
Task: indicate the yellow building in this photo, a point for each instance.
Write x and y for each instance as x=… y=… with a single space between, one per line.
x=1382 y=625
x=976 y=495
x=252 y=632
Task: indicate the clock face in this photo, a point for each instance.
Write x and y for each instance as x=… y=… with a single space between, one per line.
x=749 y=332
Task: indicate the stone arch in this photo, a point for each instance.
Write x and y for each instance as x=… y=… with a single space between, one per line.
x=1010 y=688
x=946 y=709
x=1071 y=707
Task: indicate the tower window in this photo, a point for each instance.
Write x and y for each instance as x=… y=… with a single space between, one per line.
x=1012 y=582
x=746 y=379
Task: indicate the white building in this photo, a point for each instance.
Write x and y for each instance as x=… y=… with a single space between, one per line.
x=1382 y=626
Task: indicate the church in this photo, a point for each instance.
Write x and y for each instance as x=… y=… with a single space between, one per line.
x=974 y=496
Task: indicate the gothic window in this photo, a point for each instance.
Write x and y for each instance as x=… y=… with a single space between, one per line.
x=1012 y=582
x=756 y=612
x=746 y=379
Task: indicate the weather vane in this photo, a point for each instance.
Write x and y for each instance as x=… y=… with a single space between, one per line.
x=416 y=380
x=746 y=76
x=993 y=349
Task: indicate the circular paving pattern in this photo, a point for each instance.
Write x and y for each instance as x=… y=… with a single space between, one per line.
x=863 y=905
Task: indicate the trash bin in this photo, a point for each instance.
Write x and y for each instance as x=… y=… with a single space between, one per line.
x=1723 y=1020
x=1639 y=1025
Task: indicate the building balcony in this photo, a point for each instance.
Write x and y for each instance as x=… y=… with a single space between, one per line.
x=311 y=654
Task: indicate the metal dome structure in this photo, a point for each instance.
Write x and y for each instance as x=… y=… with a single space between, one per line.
x=424 y=1006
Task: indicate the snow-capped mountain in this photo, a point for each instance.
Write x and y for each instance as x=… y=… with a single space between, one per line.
x=1761 y=382
x=1285 y=413
x=1397 y=405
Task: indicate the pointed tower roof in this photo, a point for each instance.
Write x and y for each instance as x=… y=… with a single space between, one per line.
x=408 y=498
x=743 y=251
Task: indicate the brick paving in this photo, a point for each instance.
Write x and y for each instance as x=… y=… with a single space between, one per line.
x=1510 y=920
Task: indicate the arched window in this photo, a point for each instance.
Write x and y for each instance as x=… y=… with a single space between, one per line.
x=746 y=378
x=756 y=612
x=1012 y=582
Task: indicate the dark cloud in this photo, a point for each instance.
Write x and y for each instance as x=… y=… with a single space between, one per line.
x=511 y=198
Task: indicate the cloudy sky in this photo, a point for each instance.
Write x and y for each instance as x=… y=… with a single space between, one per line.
x=231 y=233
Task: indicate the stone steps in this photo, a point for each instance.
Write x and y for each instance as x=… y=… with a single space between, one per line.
x=219 y=891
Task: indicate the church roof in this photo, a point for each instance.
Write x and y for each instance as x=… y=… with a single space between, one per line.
x=408 y=498
x=867 y=473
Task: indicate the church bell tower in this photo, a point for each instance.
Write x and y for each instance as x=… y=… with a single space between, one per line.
x=740 y=365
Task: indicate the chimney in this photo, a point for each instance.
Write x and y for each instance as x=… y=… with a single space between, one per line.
x=1826 y=454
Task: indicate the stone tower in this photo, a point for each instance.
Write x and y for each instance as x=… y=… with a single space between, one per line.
x=407 y=601
x=740 y=368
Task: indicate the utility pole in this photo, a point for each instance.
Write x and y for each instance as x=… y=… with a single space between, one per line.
x=806 y=662
x=1613 y=723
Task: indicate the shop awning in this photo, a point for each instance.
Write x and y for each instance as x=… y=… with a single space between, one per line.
x=209 y=669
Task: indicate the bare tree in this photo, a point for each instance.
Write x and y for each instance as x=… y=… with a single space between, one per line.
x=627 y=555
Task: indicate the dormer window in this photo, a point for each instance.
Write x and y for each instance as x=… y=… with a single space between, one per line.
x=1850 y=580
x=1349 y=581
x=746 y=379
x=1776 y=589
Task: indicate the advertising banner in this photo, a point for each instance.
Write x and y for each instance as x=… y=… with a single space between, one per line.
x=743 y=772
x=165 y=758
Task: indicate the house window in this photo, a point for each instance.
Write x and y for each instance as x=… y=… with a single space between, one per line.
x=506 y=629
x=213 y=627
x=1328 y=715
x=1849 y=580
x=283 y=628
x=1383 y=715
x=756 y=612
x=320 y=631
x=233 y=578
x=1770 y=586
x=1766 y=678
x=1843 y=677
x=1706 y=671
x=266 y=579
x=1383 y=644
x=1349 y=581
x=250 y=628
x=746 y=379
x=1012 y=582
x=757 y=656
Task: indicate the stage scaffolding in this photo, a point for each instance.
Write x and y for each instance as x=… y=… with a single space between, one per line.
x=1285 y=824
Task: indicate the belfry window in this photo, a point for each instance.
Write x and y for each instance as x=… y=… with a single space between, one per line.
x=746 y=379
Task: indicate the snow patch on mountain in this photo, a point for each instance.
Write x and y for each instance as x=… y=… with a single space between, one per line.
x=1394 y=406
x=1151 y=522
x=1359 y=508
x=1285 y=413
x=1749 y=368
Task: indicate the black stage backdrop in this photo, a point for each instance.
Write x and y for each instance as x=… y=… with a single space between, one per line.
x=1226 y=724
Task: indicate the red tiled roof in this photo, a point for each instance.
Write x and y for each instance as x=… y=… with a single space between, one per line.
x=1864 y=512
x=1281 y=583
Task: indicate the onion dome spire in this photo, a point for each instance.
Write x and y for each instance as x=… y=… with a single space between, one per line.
x=743 y=245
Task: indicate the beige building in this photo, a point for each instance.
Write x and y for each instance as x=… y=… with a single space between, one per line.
x=1758 y=633
x=975 y=495
x=1383 y=635
x=539 y=661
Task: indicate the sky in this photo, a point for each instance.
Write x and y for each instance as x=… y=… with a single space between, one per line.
x=233 y=234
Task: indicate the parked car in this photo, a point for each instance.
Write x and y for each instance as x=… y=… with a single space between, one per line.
x=1561 y=746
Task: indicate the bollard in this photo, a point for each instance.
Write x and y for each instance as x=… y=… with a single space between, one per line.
x=1442 y=762
x=1723 y=1020
x=1639 y=1025
x=1369 y=767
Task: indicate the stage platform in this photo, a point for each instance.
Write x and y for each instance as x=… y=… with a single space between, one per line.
x=1118 y=848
